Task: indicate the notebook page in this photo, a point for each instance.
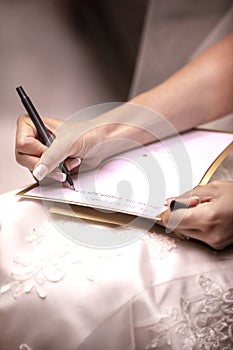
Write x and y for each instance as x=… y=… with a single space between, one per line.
x=138 y=182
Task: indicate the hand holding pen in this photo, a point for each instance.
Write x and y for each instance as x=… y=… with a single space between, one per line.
x=205 y=214
x=43 y=133
x=74 y=141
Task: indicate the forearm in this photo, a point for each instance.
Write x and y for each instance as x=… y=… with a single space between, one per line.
x=199 y=92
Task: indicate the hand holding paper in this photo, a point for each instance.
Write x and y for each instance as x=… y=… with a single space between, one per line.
x=210 y=221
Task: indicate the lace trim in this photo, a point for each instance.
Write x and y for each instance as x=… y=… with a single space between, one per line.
x=204 y=325
x=51 y=257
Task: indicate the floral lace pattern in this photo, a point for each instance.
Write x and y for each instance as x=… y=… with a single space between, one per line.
x=205 y=324
x=42 y=264
x=51 y=256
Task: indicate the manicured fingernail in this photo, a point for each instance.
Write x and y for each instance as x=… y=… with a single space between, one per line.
x=194 y=201
x=40 y=171
x=75 y=162
x=58 y=175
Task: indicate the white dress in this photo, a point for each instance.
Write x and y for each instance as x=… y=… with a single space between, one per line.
x=156 y=293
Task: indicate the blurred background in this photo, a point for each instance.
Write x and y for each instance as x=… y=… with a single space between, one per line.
x=71 y=54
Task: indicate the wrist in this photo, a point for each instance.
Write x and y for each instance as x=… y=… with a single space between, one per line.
x=123 y=128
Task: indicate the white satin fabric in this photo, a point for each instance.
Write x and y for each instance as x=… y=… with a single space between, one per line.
x=155 y=293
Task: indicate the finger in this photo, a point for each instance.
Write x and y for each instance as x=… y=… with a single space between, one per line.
x=25 y=129
x=26 y=141
x=205 y=193
x=28 y=161
x=26 y=132
x=192 y=218
x=210 y=238
x=51 y=158
x=173 y=204
x=184 y=203
x=30 y=152
x=57 y=175
x=30 y=146
x=40 y=171
x=202 y=192
x=72 y=163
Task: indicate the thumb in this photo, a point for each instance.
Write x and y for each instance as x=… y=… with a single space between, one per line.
x=51 y=159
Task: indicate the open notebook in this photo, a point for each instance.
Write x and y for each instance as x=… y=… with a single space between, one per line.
x=137 y=182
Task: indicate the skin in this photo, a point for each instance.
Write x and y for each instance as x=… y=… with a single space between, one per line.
x=210 y=219
x=28 y=149
x=200 y=92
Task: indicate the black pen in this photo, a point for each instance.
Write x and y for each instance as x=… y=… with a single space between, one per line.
x=44 y=134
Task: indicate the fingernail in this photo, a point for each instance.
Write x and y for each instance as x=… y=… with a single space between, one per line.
x=75 y=162
x=59 y=176
x=40 y=171
x=194 y=201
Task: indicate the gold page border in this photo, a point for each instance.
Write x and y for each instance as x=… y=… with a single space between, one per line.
x=216 y=163
x=93 y=214
x=29 y=188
